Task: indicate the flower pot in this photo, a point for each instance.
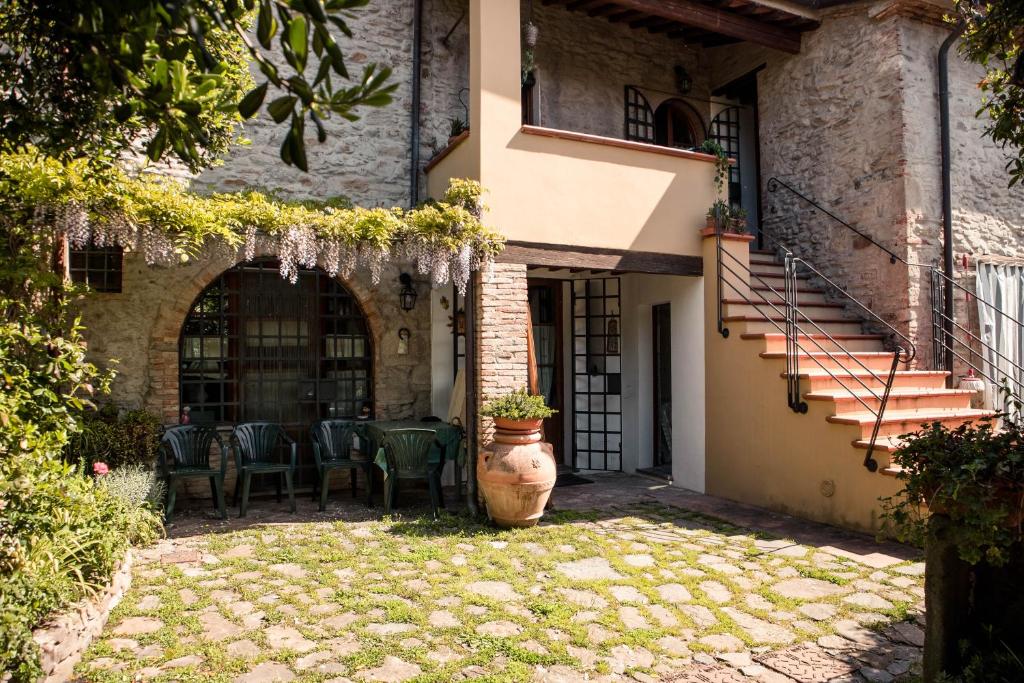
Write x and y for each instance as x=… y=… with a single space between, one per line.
x=516 y=473
x=519 y=426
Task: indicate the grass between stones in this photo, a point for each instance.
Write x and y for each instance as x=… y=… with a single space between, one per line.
x=457 y=598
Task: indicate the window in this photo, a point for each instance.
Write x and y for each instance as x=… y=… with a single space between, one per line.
x=97 y=267
x=677 y=124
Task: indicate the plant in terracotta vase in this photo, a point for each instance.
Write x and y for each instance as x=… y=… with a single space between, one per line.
x=738 y=220
x=517 y=471
x=719 y=214
x=456 y=127
x=518 y=411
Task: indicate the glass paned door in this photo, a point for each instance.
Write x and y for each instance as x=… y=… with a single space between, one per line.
x=597 y=374
x=662 y=361
x=546 y=319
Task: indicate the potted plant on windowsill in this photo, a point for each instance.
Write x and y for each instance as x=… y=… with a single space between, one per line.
x=517 y=471
x=456 y=127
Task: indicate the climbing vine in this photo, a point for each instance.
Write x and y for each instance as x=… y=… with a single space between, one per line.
x=167 y=223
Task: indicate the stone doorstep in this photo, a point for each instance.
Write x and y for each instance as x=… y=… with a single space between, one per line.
x=65 y=636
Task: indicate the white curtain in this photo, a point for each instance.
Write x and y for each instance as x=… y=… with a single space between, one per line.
x=1001 y=285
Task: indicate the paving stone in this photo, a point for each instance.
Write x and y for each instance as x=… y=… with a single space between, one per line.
x=188 y=597
x=133 y=626
x=632 y=618
x=477 y=610
x=443 y=619
x=623 y=657
x=707 y=673
x=868 y=601
x=872 y=675
x=598 y=634
x=340 y=621
x=853 y=631
x=180 y=557
x=716 y=591
x=807 y=589
x=759 y=602
x=588 y=569
x=735 y=659
x=638 y=560
x=123 y=644
x=806 y=663
x=458 y=560
x=242 y=550
x=665 y=617
x=182 y=662
x=819 y=611
x=916 y=569
x=583 y=598
x=674 y=592
x=287 y=638
x=908 y=633
x=759 y=630
x=495 y=590
x=289 y=569
x=673 y=646
x=267 y=672
x=586 y=616
x=833 y=642
x=313 y=660
x=722 y=642
x=701 y=615
x=502 y=629
x=148 y=603
x=245 y=649
x=443 y=655
x=628 y=594
x=388 y=629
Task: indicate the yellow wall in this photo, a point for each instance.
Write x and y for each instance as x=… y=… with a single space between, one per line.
x=761 y=452
x=560 y=191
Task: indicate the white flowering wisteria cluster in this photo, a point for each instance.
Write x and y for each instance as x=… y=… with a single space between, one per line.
x=167 y=224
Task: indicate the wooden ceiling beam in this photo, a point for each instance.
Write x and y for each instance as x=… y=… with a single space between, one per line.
x=719 y=21
x=601 y=10
x=627 y=15
x=664 y=27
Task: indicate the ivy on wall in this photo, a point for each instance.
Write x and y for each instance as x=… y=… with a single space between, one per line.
x=167 y=223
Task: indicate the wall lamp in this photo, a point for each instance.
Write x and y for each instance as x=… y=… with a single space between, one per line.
x=407 y=294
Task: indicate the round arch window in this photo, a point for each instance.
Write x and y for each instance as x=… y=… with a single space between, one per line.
x=677 y=124
x=255 y=347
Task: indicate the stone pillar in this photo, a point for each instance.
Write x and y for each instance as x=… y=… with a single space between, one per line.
x=502 y=308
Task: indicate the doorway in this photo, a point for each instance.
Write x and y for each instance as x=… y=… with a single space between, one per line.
x=545 y=297
x=661 y=354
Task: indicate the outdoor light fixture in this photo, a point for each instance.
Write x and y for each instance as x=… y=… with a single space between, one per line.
x=406 y=295
x=683 y=81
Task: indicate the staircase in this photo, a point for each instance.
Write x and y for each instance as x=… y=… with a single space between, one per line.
x=846 y=375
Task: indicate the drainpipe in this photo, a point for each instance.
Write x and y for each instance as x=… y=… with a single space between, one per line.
x=947 y=196
x=417 y=50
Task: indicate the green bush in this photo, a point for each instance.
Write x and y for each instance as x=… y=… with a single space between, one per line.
x=60 y=533
x=117 y=440
x=519 y=405
x=135 y=485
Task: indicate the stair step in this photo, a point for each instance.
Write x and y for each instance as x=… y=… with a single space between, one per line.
x=898 y=422
x=891 y=471
x=773 y=276
x=901 y=398
x=832 y=326
x=804 y=295
x=775 y=341
x=820 y=379
x=775 y=311
x=876 y=360
x=883 y=444
x=758 y=302
x=763 y=252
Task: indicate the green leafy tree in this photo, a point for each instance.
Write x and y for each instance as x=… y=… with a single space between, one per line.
x=91 y=78
x=994 y=38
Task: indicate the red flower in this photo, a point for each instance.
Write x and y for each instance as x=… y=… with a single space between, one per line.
x=100 y=468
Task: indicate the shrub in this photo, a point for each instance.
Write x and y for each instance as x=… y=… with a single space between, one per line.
x=117 y=440
x=135 y=485
x=519 y=405
x=60 y=533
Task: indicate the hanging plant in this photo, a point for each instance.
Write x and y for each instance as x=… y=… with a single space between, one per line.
x=167 y=223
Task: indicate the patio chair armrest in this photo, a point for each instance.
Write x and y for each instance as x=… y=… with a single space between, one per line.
x=223 y=455
x=316 y=454
x=161 y=461
x=295 y=452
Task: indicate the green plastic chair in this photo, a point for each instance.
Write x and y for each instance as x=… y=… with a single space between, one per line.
x=185 y=453
x=407 y=452
x=254 y=445
x=332 y=450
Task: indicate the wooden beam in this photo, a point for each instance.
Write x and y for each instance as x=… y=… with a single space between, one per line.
x=719 y=21
x=601 y=10
x=578 y=258
x=627 y=15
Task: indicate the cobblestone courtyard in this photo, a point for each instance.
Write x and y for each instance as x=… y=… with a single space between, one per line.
x=645 y=590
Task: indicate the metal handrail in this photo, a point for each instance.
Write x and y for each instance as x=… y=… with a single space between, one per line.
x=792 y=316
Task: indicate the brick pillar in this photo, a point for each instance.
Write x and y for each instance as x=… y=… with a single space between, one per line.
x=502 y=308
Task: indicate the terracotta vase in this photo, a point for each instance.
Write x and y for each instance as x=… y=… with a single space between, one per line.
x=516 y=474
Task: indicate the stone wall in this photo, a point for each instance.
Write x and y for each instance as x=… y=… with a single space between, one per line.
x=852 y=121
x=584 y=63
x=366 y=160
x=65 y=637
x=502 y=311
x=140 y=328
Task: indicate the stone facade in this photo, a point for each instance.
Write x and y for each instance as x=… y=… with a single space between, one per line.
x=502 y=311
x=140 y=327
x=65 y=637
x=583 y=65
x=852 y=121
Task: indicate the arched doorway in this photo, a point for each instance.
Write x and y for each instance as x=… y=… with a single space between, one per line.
x=677 y=124
x=256 y=347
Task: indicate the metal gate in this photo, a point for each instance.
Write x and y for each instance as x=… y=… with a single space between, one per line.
x=597 y=375
x=725 y=130
x=255 y=347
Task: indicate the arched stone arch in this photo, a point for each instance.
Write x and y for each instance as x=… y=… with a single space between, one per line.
x=163 y=395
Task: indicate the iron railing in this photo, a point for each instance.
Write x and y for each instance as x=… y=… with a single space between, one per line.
x=947 y=346
x=804 y=335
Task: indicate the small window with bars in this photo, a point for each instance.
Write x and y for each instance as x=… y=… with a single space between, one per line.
x=98 y=267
